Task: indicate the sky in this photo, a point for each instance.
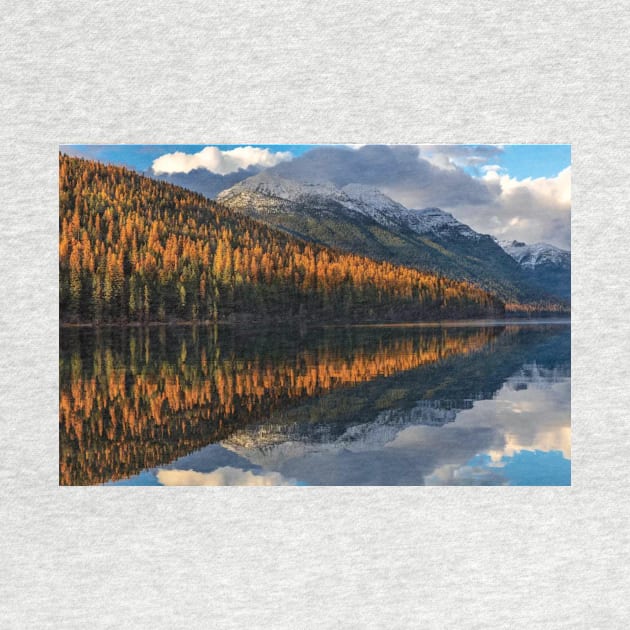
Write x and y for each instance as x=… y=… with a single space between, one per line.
x=141 y=156
x=514 y=192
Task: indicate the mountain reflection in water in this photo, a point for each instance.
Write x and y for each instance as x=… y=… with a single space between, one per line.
x=472 y=404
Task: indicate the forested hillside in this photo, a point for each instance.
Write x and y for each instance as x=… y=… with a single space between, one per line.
x=363 y=220
x=134 y=249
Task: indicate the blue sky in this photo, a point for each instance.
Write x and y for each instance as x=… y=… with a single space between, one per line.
x=535 y=160
x=519 y=160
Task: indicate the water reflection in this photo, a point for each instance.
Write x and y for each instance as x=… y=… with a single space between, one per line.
x=199 y=406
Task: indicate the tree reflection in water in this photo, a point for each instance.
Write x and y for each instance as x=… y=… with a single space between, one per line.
x=136 y=398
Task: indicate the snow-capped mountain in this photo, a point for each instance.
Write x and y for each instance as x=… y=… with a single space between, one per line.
x=271 y=185
x=436 y=221
x=268 y=193
x=364 y=200
x=372 y=203
x=536 y=254
x=364 y=220
x=548 y=266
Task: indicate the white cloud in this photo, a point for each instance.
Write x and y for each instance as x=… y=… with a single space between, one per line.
x=545 y=190
x=529 y=210
x=536 y=418
x=493 y=168
x=224 y=476
x=453 y=156
x=216 y=161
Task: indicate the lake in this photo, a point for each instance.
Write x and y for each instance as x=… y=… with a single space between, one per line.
x=466 y=403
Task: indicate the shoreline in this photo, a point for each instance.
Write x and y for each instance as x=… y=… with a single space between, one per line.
x=460 y=323
x=243 y=325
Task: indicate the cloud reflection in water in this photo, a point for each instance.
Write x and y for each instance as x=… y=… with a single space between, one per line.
x=519 y=437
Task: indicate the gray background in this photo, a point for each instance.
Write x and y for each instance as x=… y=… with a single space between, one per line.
x=313 y=72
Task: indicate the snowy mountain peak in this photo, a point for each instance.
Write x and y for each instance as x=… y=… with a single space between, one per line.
x=364 y=200
x=371 y=202
x=536 y=254
x=436 y=221
x=371 y=195
x=272 y=185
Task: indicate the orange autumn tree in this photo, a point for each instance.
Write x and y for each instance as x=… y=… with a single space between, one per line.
x=135 y=249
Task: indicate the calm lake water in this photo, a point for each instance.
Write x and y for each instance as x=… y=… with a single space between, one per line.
x=485 y=403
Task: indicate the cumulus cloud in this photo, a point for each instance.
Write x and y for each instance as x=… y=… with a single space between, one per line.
x=530 y=210
x=398 y=170
x=224 y=476
x=492 y=168
x=419 y=176
x=216 y=161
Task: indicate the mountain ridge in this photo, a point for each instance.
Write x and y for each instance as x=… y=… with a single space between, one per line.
x=546 y=265
x=535 y=254
x=362 y=219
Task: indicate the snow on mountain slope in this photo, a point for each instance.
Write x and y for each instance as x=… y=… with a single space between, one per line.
x=365 y=200
x=275 y=186
x=537 y=254
x=372 y=203
x=438 y=222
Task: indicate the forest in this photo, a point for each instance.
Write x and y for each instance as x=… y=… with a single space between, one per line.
x=132 y=249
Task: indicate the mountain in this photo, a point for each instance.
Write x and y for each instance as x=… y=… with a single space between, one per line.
x=537 y=254
x=135 y=249
x=362 y=219
x=547 y=265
